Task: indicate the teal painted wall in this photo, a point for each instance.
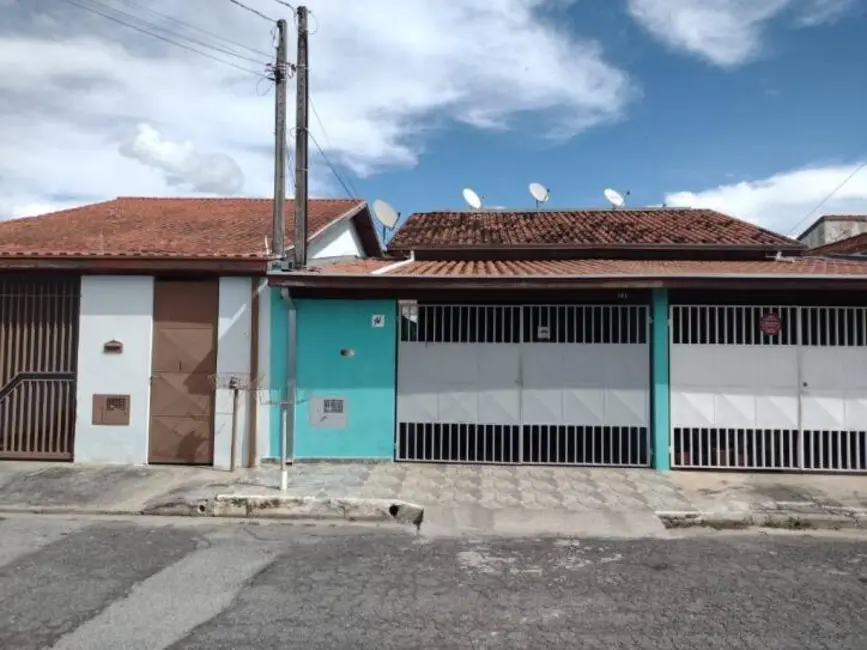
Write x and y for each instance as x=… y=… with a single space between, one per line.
x=366 y=380
x=279 y=341
x=661 y=399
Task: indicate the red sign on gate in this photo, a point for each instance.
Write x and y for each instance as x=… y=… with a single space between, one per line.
x=770 y=324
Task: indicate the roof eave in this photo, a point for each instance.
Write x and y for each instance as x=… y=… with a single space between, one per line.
x=361 y=216
x=659 y=248
x=467 y=282
x=129 y=264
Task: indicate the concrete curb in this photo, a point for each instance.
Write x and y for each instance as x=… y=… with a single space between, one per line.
x=345 y=508
x=272 y=506
x=391 y=511
x=791 y=520
x=69 y=510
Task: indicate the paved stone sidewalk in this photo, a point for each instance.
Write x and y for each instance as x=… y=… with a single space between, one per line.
x=454 y=492
x=574 y=489
x=736 y=493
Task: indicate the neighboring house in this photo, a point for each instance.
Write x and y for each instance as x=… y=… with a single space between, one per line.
x=124 y=325
x=634 y=337
x=832 y=228
x=856 y=245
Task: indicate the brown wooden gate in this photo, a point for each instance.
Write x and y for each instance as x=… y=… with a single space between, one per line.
x=184 y=364
x=38 y=357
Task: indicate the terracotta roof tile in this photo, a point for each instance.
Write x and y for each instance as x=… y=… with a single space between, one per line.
x=651 y=268
x=173 y=227
x=848 y=246
x=666 y=226
x=358 y=266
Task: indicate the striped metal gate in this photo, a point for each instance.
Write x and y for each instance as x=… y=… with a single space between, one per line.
x=529 y=384
x=769 y=387
x=38 y=353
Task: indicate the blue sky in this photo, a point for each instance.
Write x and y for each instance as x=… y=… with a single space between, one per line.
x=747 y=106
x=696 y=125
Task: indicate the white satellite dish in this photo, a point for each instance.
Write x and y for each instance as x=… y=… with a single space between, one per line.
x=539 y=192
x=614 y=198
x=385 y=214
x=472 y=198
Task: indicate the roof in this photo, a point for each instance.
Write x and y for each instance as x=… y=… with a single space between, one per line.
x=831 y=217
x=224 y=228
x=849 y=246
x=604 y=228
x=799 y=266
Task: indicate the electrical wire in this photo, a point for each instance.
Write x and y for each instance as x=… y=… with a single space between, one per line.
x=252 y=11
x=797 y=227
x=346 y=189
x=163 y=38
x=190 y=26
x=154 y=26
x=285 y=4
x=141 y=23
x=354 y=191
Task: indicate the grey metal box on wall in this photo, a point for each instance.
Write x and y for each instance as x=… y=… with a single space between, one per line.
x=328 y=412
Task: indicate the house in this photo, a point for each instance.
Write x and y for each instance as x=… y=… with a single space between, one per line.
x=831 y=228
x=128 y=326
x=665 y=338
x=854 y=245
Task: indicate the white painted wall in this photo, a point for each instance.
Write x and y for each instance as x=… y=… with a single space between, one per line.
x=114 y=308
x=341 y=240
x=233 y=359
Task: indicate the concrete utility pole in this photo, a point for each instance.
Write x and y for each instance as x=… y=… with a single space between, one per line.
x=301 y=126
x=281 y=75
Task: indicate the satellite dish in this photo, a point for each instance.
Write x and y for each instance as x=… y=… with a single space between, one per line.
x=539 y=192
x=385 y=214
x=614 y=198
x=472 y=198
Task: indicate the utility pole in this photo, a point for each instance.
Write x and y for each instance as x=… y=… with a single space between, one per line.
x=301 y=134
x=281 y=75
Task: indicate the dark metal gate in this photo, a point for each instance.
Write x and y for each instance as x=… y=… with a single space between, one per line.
x=184 y=364
x=38 y=358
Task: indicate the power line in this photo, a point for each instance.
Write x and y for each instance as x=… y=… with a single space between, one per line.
x=252 y=11
x=319 y=121
x=795 y=230
x=332 y=167
x=153 y=26
x=328 y=144
x=163 y=38
x=285 y=4
x=181 y=23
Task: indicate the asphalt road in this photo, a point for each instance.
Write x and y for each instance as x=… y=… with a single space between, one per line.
x=152 y=584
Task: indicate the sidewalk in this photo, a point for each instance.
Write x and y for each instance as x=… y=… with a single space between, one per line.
x=463 y=498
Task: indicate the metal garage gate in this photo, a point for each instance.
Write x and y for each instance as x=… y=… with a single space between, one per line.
x=38 y=354
x=535 y=384
x=769 y=387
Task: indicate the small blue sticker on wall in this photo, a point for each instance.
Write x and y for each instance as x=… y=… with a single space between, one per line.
x=377 y=320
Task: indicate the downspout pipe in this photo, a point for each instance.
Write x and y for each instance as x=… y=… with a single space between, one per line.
x=287 y=428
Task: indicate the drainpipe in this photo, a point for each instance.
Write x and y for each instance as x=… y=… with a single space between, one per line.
x=396 y=265
x=287 y=430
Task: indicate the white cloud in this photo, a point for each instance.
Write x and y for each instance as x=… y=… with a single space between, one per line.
x=726 y=32
x=818 y=12
x=182 y=165
x=782 y=202
x=386 y=75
